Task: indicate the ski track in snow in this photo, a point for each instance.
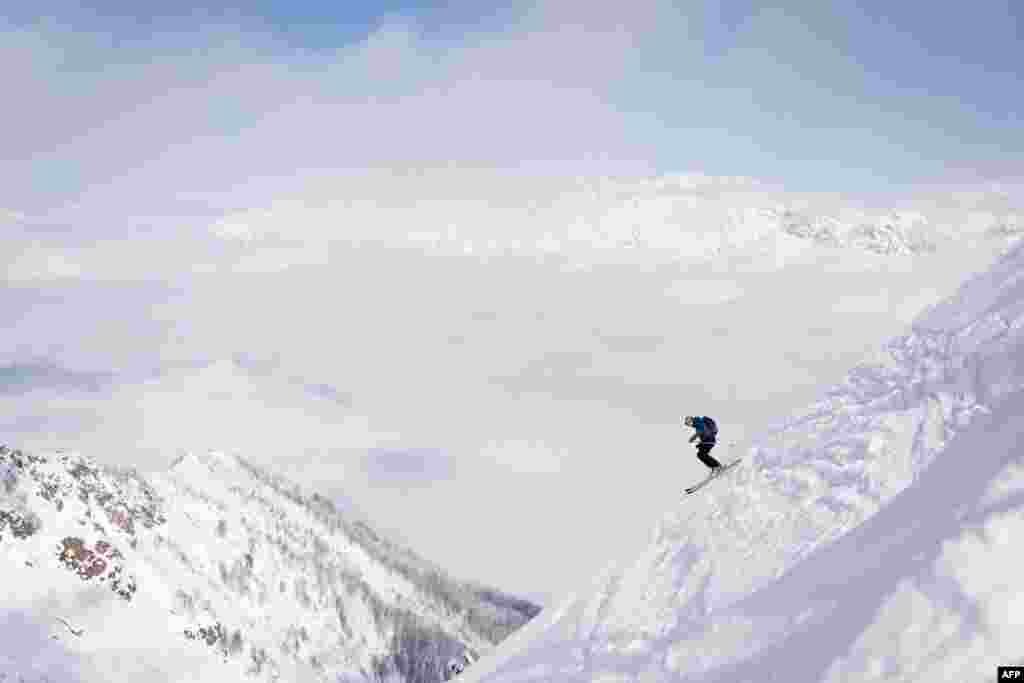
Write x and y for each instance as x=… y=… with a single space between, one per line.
x=867 y=538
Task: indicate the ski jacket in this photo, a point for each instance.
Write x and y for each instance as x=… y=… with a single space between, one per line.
x=458 y=665
x=706 y=430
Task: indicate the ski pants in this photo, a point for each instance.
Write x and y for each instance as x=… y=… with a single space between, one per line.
x=703 y=451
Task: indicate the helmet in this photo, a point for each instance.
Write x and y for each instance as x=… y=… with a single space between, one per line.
x=688 y=421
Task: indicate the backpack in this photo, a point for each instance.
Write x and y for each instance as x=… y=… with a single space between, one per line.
x=710 y=428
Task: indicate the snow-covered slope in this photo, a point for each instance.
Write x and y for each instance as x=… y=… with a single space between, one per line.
x=217 y=570
x=867 y=538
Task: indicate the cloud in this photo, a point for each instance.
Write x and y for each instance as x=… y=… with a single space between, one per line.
x=525 y=456
x=15 y=379
x=11 y=218
x=85 y=326
x=695 y=292
x=122 y=134
x=408 y=467
x=222 y=115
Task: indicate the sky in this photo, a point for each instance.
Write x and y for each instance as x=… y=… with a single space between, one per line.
x=193 y=202
x=182 y=109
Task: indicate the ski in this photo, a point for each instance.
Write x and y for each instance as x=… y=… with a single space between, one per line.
x=701 y=484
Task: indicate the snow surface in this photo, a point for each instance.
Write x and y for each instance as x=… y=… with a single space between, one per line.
x=95 y=625
x=866 y=538
x=216 y=571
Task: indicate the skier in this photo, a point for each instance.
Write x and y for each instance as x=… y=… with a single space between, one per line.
x=457 y=666
x=706 y=431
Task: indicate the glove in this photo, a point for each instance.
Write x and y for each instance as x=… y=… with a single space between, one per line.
x=693 y=438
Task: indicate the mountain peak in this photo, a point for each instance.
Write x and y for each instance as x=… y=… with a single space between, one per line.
x=211 y=461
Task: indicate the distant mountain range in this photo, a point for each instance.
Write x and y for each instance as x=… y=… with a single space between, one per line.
x=673 y=216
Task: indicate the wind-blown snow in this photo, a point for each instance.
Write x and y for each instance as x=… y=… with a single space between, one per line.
x=867 y=538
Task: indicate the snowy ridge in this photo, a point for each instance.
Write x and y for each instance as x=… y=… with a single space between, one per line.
x=883 y=233
x=608 y=220
x=227 y=568
x=845 y=515
x=704 y=216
